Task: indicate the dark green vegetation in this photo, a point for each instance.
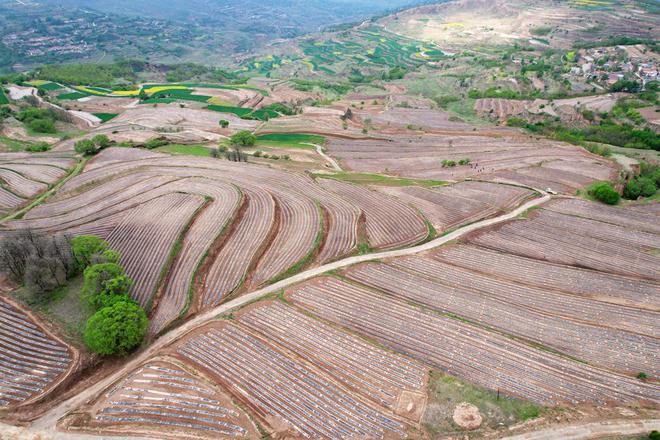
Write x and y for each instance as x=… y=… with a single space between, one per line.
x=644 y=185
x=105 y=117
x=118 y=324
x=116 y=329
x=446 y=392
x=290 y=140
x=245 y=113
x=90 y=147
x=603 y=192
x=3 y=97
x=38 y=120
x=362 y=56
x=243 y=139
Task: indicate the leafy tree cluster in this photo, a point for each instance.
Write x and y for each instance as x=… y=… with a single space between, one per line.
x=604 y=192
x=41 y=262
x=608 y=131
x=243 y=138
x=90 y=147
x=119 y=324
x=644 y=185
x=38 y=119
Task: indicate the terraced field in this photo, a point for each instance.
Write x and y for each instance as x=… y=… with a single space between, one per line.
x=582 y=240
x=236 y=228
x=498 y=156
x=162 y=398
x=33 y=361
x=468 y=351
x=24 y=176
x=282 y=390
x=450 y=206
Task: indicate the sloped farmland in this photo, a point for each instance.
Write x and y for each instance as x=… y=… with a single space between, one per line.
x=24 y=176
x=465 y=350
x=289 y=395
x=193 y=233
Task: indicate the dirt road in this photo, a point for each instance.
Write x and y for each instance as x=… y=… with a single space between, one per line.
x=593 y=430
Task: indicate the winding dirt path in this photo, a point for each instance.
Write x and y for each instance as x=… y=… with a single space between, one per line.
x=333 y=163
x=47 y=423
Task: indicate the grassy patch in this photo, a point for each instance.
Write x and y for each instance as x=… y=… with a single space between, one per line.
x=446 y=392
x=3 y=97
x=293 y=138
x=14 y=144
x=190 y=150
x=380 y=179
x=63 y=306
x=105 y=117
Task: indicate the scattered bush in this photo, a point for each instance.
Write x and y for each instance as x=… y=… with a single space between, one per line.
x=243 y=139
x=224 y=123
x=465 y=161
x=43 y=126
x=155 y=143
x=258 y=153
x=604 y=192
x=654 y=435
x=642 y=376
x=116 y=329
x=38 y=147
x=448 y=163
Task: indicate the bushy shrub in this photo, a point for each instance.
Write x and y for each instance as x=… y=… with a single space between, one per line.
x=96 y=279
x=243 y=139
x=38 y=147
x=43 y=126
x=604 y=192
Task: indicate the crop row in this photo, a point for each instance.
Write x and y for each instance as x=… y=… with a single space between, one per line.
x=161 y=397
x=372 y=371
x=540 y=239
x=531 y=314
x=599 y=286
x=464 y=350
x=31 y=361
x=450 y=206
x=281 y=390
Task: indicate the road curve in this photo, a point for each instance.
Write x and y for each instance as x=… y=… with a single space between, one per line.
x=319 y=149
x=48 y=421
x=592 y=430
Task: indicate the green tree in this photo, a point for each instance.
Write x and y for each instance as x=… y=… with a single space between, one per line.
x=85 y=247
x=632 y=190
x=604 y=192
x=647 y=186
x=86 y=147
x=101 y=141
x=42 y=126
x=224 y=123
x=96 y=280
x=116 y=329
x=243 y=139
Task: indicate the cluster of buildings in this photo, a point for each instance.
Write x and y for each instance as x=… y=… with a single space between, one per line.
x=607 y=65
x=32 y=44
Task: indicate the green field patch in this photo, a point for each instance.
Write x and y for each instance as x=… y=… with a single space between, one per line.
x=185 y=95
x=49 y=87
x=3 y=97
x=190 y=150
x=158 y=101
x=245 y=113
x=293 y=138
x=14 y=144
x=71 y=96
x=105 y=117
x=379 y=179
